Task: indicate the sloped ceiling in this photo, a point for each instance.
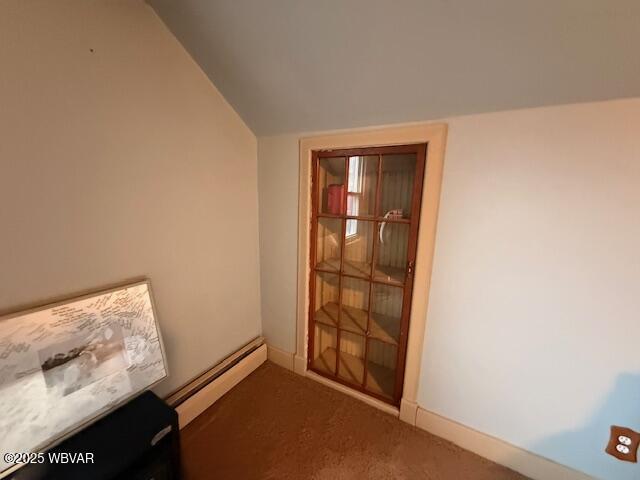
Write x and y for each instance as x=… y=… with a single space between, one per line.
x=305 y=65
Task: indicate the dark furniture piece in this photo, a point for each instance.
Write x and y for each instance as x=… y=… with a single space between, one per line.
x=138 y=441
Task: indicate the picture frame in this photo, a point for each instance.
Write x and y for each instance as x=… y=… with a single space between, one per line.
x=65 y=364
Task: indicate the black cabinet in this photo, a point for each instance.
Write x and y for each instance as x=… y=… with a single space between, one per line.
x=138 y=441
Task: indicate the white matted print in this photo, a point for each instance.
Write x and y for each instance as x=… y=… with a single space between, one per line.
x=64 y=365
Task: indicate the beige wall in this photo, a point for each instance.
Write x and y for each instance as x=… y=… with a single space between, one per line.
x=278 y=193
x=119 y=159
x=532 y=328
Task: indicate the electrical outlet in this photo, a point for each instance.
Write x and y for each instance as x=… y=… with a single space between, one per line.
x=623 y=444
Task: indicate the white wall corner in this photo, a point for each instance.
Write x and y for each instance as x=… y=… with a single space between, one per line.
x=280 y=357
x=408 y=411
x=496 y=450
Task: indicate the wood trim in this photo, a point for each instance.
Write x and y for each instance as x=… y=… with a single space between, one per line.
x=365 y=219
x=358 y=388
x=435 y=135
x=416 y=204
x=366 y=151
x=432 y=184
x=366 y=398
x=408 y=411
x=343 y=245
x=280 y=357
x=313 y=234
x=496 y=450
x=368 y=279
x=299 y=365
x=204 y=398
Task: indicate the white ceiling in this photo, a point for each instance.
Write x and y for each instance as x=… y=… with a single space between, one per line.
x=304 y=65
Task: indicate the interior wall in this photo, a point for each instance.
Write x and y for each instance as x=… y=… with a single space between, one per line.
x=278 y=200
x=532 y=326
x=119 y=159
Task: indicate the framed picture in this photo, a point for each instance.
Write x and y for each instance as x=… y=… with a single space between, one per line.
x=64 y=365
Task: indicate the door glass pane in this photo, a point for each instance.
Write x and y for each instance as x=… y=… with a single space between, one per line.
x=358 y=248
x=328 y=243
x=331 y=185
x=398 y=173
x=381 y=367
x=324 y=348
x=393 y=242
x=351 y=366
x=361 y=185
x=326 y=301
x=355 y=305
x=386 y=313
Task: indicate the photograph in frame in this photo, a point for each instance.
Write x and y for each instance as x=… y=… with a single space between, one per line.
x=64 y=365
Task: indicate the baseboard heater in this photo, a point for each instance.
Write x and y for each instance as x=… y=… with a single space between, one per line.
x=203 y=391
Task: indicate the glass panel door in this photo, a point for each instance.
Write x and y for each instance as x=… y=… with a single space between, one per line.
x=381 y=367
x=358 y=248
x=362 y=185
x=354 y=305
x=329 y=244
x=393 y=243
x=331 y=191
x=386 y=313
x=398 y=176
x=364 y=230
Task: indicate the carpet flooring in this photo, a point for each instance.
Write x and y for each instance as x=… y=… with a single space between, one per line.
x=279 y=425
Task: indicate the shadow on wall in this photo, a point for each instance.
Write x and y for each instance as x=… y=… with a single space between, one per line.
x=584 y=449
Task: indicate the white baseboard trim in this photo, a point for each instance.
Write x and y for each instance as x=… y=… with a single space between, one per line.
x=496 y=450
x=280 y=357
x=408 y=411
x=299 y=365
x=203 y=399
x=374 y=402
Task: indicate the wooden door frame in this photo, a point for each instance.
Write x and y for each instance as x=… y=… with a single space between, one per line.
x=434 y=135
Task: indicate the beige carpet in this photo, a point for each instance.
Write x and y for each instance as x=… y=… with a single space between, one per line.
x=278 y=425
